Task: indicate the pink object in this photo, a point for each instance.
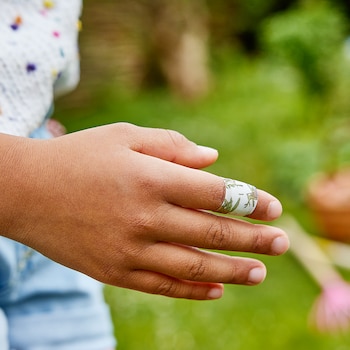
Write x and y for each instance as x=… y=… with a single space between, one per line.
x=331 y=310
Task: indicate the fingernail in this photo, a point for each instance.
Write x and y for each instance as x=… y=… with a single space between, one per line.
x=256 y=275
x=208 y=151
x=274 y=210
x=215 y=293
x=280 y=245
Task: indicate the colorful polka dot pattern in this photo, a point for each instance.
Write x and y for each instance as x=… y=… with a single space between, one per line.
x=16 y=23
x=38 y=59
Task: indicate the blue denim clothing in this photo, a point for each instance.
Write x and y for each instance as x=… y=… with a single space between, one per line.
x=46 y=306
x=3 y=331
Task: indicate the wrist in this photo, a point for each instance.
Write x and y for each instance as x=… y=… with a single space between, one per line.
x=16 y=157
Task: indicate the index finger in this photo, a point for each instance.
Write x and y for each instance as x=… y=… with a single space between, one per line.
x=197 y=189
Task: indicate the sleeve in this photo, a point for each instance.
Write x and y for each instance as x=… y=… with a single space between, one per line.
x=39 y=51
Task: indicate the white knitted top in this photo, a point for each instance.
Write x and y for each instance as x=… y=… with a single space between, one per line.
x=38 y=59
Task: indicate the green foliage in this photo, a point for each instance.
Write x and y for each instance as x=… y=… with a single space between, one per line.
x=309 y=37
x=239 y=20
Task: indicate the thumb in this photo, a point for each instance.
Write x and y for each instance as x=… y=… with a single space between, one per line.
x=174 y=147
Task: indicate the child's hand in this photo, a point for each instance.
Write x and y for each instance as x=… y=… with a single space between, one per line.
x=119 y=203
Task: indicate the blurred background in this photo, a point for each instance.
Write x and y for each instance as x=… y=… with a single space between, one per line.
x=267 y=83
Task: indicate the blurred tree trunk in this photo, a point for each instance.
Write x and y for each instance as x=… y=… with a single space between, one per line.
x=141 y=42
x=180 y=36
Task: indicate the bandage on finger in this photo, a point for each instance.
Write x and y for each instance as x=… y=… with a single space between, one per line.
x=240 y=199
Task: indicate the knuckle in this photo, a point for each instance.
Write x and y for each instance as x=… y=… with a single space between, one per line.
x=141 y=222
x=122 y=130
x=176 y=138
x=217 y=233
x=197 y=270
x=150 y=184
x=217 y=193
x=124 y=127
x=257 y=241
x=109 y=274
x=234 y=273
x=144 y=224
x=167 y=288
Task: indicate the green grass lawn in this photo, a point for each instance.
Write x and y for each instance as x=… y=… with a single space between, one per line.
x=266 y=132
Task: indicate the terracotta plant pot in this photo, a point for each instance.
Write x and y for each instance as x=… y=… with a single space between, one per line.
x=329 y=200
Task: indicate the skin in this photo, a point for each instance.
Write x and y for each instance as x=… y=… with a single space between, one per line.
x=130 y=207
